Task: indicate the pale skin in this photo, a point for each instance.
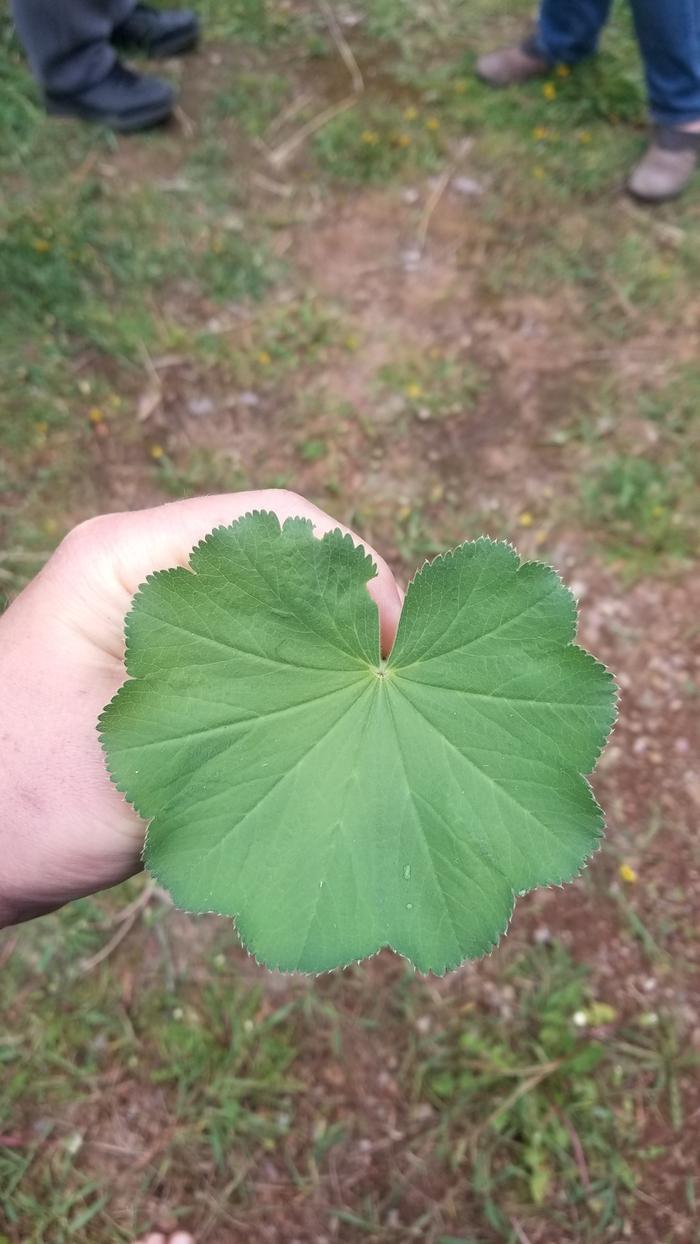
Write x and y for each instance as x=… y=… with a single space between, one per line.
x=65 y=831
x=157 y=1237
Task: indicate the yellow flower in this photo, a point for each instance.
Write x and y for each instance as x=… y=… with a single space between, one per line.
x=526 y=519
x=41 y=246
x=432 y=123
x=538 y=172
x=95 y=415
x=156 y=452
x=628 y=874
x=549 y=90
x=410 y=113
x=563 y=71
x=541 y=132
x=414 y=391
x=264 y=358
x=403 y=140
x=585 y=136
x=369 y=137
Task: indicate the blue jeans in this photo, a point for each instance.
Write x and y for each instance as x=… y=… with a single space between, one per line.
x=669 y=37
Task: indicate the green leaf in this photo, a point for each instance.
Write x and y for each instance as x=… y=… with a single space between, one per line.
x=334 y=802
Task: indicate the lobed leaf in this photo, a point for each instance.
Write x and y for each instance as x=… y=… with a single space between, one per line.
x=333 y=802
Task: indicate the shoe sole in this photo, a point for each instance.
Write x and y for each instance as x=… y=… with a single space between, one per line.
x=654 y=200
x=176 y=45
x=651 y=200
x=145 y=119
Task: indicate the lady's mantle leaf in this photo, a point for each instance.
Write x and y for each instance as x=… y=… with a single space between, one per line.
x=334 y=803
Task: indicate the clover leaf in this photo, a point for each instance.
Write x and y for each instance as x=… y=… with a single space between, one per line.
x=334 y=802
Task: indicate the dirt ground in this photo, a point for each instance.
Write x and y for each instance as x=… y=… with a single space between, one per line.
x=400 y=377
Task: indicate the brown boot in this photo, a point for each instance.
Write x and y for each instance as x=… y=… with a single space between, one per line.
x=667 y=167
x=509 y=66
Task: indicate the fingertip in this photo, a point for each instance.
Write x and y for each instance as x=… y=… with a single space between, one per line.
x=388 y=626
x=388 y=598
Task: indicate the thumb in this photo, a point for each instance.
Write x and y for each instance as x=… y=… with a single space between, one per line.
x=108 y=557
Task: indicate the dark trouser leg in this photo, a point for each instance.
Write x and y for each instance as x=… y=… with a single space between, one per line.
x=669 y=36
x=568 y=30
x=67 y=41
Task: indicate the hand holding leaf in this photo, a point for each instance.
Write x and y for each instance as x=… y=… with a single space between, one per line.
x=65 y=831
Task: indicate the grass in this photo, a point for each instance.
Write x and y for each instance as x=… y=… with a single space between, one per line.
x=537 y=1099
x=254 y=99
x=532 y=377
x=218 y=1068
x=234 y=270
x=199 y=471
x=261 y=23
x=639 y=484
x=433 y=385
x=633 y=499
x=532 y=1114
x=374 y=144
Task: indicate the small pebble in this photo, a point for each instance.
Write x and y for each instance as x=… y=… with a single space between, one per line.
x=411 y=259
x=469 y=187
x=200 y=407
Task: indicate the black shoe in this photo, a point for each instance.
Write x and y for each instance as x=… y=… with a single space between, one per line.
x=124 y=101
x=158 y=32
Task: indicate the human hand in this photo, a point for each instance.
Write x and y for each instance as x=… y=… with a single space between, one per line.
x=65 y=830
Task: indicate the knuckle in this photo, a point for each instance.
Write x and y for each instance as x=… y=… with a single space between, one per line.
x=88 y=536
x=286 y=497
